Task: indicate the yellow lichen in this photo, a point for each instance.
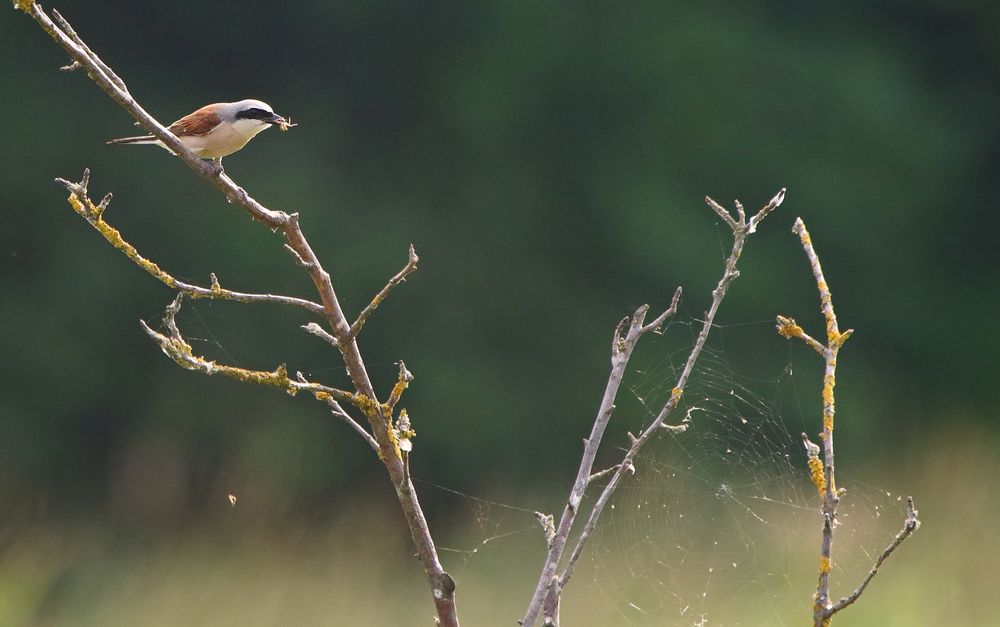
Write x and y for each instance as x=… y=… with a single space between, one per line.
x=24 y=5
x=824 y=564
x=787 y=328
x=829 y=383
x=397 y=392
x=366 y=405
x=92 y=214
x=277 y=378
x=817 y=475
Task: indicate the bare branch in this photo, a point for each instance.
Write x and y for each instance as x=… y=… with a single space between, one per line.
x=911 y=524
x=550 y=585
x=321 y=333
x=302 y=263
x=399 y=277
x=340 y=412
x=600 y=474
x=656 y=325
x=771 y=205
x=66 y=28
x=80 y=200
x=723 y=213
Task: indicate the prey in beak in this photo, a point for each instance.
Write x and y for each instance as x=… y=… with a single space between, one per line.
x=282 y=123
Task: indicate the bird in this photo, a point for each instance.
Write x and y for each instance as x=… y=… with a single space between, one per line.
x=219 y=129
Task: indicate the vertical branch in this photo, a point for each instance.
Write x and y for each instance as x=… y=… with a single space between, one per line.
x=823 y=473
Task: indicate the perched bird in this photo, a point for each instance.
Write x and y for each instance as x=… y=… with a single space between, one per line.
x=218 y=129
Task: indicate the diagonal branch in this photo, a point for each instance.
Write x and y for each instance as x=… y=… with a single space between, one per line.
x=337 y=410
x=911 y=524
x=176 y=347
x=399 y=277
x=548 y=590
x=80 y=200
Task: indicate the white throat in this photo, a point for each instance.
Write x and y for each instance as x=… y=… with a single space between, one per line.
x=249 y=128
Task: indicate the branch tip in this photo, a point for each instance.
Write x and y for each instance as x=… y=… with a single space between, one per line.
x=722 y=212
x=298 y=258
x=321 y=333
x=399 y=277
x=656 y=325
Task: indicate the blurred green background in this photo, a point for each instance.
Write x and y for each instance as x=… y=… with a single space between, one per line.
x=548 y=160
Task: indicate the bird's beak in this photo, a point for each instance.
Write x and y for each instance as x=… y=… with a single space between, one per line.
x=280 y=122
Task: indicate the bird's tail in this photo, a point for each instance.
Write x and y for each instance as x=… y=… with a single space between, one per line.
x=141 y=139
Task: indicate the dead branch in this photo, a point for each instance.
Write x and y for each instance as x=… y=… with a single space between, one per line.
x=823 y=473
x=548 y=590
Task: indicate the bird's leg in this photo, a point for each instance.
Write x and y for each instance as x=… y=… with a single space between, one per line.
x=217 y=168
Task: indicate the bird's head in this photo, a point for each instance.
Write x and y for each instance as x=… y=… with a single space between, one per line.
x=254 y=115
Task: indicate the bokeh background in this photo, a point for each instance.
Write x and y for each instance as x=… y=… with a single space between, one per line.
x=548 y=161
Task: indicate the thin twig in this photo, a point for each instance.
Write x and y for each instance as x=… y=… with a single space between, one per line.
x=338 y=410
x=321 y=333
x=657 y=324
x=402 y=382
x=399 y=277
x=66 y=28
x=548 y=590
x=600 y=474
x=911 y=524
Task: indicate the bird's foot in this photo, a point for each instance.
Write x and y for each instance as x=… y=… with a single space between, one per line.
x=217 y=168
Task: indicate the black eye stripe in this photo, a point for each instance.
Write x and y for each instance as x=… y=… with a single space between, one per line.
x=253 y=114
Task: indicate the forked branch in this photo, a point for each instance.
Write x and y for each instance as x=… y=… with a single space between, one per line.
x=548 y=590
x=823 y=472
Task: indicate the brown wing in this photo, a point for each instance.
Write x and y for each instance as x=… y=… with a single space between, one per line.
x=198 y=123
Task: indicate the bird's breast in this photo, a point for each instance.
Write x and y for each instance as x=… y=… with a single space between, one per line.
x=223 y=140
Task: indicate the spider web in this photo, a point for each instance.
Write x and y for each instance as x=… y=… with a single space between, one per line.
x=720 y=524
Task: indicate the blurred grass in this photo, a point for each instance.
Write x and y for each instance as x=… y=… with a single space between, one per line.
x=355 y=568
